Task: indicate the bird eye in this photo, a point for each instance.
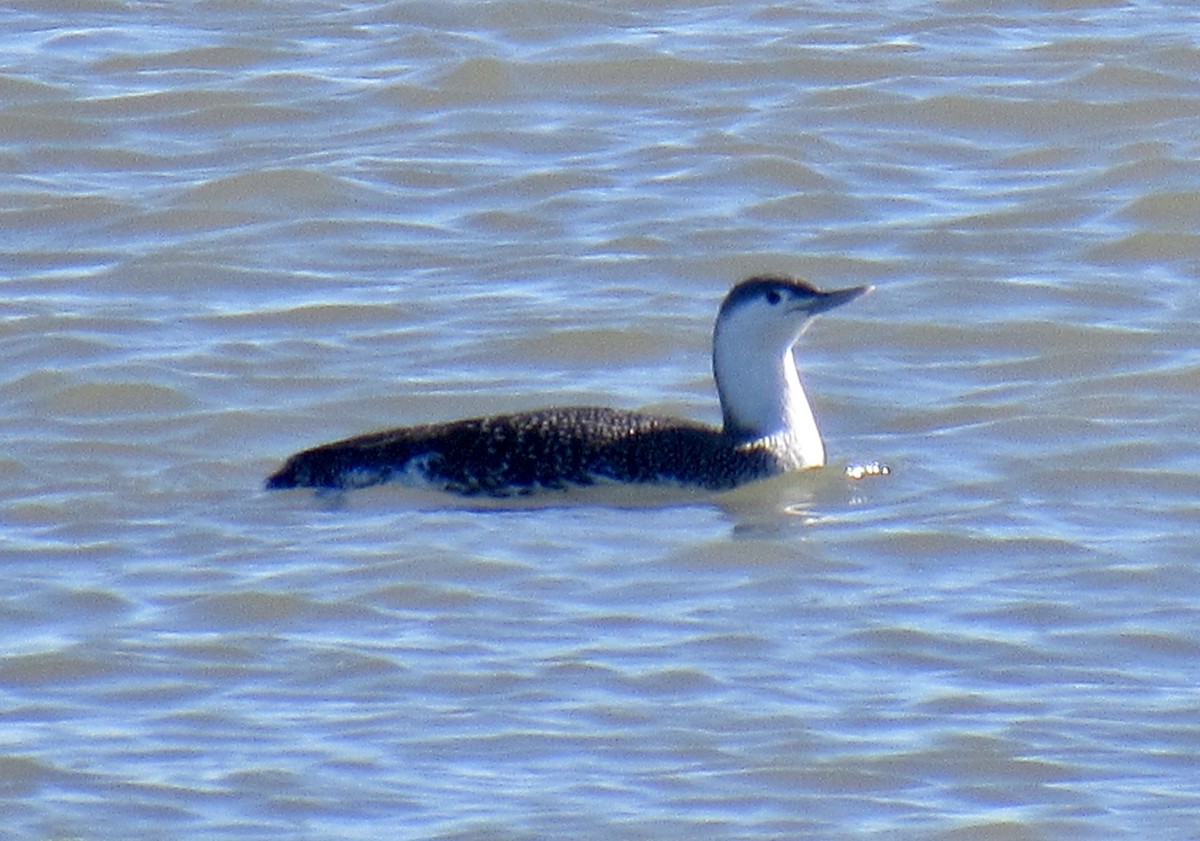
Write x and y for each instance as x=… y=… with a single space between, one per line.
x=773 y=297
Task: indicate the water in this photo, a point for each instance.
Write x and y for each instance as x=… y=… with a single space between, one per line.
x=235 y=230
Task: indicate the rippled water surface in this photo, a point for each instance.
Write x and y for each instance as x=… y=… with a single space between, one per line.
x=234 y=230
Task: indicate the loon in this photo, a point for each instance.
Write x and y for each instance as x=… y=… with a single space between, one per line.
x=768 y=426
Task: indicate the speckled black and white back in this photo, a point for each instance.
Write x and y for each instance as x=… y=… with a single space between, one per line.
x=547 y=449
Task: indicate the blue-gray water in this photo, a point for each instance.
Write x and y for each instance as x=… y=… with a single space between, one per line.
x=234 y=230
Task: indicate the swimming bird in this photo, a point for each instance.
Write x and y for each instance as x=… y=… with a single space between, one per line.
x=768 y=426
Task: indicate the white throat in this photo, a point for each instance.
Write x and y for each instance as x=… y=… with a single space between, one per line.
x=762 y=400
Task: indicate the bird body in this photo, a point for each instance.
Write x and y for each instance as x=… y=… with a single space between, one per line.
x=548 y=448
x=768 y=427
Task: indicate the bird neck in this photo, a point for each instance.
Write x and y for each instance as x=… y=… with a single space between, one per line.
x=766 y=405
